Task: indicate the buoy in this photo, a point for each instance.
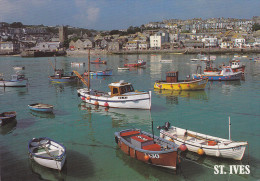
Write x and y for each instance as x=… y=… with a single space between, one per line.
x=106 y=104
x=188 y=85
x=219 y=78
x=179 y=85
x=83 y=98
x=96 y=103
x=146 y=157
x=88 y=98
x=183 y=147
x=217 y=153
x=200 y=151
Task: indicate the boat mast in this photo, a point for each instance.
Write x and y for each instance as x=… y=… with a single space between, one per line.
x=89 y=69
x=229 y=129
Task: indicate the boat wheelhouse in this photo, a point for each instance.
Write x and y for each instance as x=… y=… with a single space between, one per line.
x=172 y=83
x=60 y=77
x=121 y=95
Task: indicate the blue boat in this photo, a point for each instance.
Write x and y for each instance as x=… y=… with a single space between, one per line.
x=60 y=77
x=107 y=72
x=41 y=107
x=225 y=75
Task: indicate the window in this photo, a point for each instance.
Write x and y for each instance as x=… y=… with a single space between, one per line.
x=115 y=91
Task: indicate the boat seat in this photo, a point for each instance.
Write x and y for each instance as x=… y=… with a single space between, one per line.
x=50 y=151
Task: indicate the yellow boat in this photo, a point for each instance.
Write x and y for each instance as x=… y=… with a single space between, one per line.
x=172 y=83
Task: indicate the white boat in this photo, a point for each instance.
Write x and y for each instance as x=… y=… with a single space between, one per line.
x=123 y=68
x=18 y=67
x=194 y=59
x=166 y=61
x=212 y=146
x=77 y=64
x=122 y=95
x=18 y=80
x=47 y=152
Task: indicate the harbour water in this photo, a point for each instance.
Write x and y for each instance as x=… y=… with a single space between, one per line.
x=88 y=133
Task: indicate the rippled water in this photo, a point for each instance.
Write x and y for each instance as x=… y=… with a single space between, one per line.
x=88 y=133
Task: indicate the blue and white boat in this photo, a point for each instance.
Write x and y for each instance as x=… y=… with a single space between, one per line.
x=225 y=75
x=107 y=72
x=41 y=107
x=47 y=152
x=18 y=80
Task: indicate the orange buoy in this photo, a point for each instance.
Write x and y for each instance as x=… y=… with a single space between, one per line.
x=88 y=98
x=146 y=157
x=96 y=103
x=183 y=147
x=200 y=151
x=179 y=85
x=171 y=140
x=106 y=104
x=188 y=85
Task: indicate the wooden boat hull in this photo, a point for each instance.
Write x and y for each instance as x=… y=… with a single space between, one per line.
x=18 y=83
x=135 y=64
x=41 y=107
x=135 y=100
x=53 y=158
x=235 y=76
x=225 y=148
x=64 y=79
x=189 y=85
x=7 y=117
x=166 y=159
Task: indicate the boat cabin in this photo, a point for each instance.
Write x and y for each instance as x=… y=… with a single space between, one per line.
x=119 y=88
x=17 y=77
x=171 y=77
x=235 y=64
x=226 y=71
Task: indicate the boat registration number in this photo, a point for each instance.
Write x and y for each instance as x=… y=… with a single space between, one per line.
x=236 y=148
x=154 y=156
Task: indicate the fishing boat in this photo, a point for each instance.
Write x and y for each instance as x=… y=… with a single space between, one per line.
x=98 y=61
x=106 y=72
x=172 y=83
x=210 y=70
x=60 y=77
x=226 y=74
x=147 y=148
x=41 y=107
x=47 y=152
x=7 y=117
x=122 y=95
x=17 y=80
x=139 y=63
x=202 y=143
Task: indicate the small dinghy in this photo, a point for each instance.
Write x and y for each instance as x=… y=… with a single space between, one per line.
x=7 y=117
x=123 y=68
x=18 y=67
x=47 y=152
x=147 y=148
x=41 y=107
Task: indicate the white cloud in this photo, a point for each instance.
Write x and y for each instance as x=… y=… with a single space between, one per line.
x=88 y=12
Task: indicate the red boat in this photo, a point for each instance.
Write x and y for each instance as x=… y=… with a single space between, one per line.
x=98 y=61
x=139 y=63
x=147 y=148
x=236 y=66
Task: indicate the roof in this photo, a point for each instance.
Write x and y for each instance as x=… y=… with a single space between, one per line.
x=119 y=84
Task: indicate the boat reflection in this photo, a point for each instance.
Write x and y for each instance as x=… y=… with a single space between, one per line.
x=19 y=90
x=50 y=115
x=47 y=173
x=172 y=96
x=120 y=117
x=8 y=128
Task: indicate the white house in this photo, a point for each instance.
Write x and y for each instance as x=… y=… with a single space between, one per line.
x=158 y=39
x=210 y=42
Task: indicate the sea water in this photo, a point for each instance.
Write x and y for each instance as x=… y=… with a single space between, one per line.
x=88 y=132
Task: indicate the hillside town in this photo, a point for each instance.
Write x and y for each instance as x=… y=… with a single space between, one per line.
x=173 y=34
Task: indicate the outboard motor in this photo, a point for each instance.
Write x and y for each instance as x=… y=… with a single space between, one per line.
x=167 y=126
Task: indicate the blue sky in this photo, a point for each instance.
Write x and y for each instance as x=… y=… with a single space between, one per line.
x=120 y=14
